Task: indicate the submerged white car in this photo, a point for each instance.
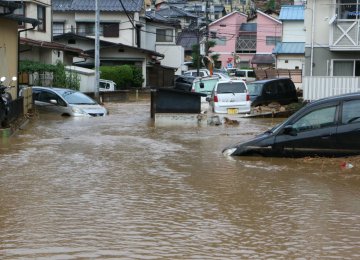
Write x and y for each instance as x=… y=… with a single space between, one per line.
x=66 y=102
x=230 y=97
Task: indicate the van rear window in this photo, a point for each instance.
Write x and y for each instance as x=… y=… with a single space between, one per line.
x=254 y=88
x=231 y=87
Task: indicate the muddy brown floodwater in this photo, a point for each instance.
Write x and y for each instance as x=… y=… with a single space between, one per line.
x=120 y=187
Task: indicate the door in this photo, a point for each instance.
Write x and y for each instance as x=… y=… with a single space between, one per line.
x=348 y=134
x=313 y=133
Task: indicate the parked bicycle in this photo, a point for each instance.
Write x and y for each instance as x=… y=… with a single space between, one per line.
x=5 y=99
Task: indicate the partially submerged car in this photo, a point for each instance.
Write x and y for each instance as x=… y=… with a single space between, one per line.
x=328 y=127
x=66 y=102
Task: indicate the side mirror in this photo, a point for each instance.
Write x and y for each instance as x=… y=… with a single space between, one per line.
x=202 y=85
x=289 y=130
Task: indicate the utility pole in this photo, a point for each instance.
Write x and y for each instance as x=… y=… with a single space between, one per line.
x=207 y=29
x=97 y=50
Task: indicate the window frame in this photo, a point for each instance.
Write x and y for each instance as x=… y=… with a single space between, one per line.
x=41 y=16
x=165 y=35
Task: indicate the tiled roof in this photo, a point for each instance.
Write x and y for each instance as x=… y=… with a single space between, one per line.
x=104 y=5
x=187 y=39
x=174 y=12
x=290 y=48
x=292 y=12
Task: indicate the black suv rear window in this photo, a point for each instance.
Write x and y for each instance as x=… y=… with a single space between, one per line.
x=231 y=87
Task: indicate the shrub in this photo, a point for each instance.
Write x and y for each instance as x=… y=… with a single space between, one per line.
x=125 y=76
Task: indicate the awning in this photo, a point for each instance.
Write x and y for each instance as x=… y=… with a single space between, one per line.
x=263 y=59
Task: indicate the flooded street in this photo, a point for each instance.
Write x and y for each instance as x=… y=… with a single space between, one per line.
x=120 y=187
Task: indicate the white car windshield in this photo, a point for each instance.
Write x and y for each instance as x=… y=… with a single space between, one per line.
x=73 y=97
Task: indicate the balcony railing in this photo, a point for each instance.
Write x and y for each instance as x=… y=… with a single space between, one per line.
x=345 y=35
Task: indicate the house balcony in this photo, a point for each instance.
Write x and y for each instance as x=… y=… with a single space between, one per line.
x=245 y=45
x=345 y=35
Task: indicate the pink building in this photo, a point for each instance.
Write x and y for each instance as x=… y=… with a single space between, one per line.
x=269 y=33
x=224 y=32
x=241 y=43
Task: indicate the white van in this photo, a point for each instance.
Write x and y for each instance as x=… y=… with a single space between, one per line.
x=107 y=85
x=245 y=75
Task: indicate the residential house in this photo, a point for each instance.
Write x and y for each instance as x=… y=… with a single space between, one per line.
x=9 y=50
x=290 y=52
x=122 y=32
x=171 y=12
x=36 y=43
x=161 y=37
x=9 y=38
x=269 y=33
x=224 y=32
x=332 y=48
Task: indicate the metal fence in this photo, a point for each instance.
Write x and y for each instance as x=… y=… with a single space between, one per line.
x=317 y=87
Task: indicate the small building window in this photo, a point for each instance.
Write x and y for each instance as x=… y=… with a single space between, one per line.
x=41 y=16
x=272 y=40
x=58 y=28
x=164 y=35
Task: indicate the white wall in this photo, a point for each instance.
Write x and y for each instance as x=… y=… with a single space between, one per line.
x=174 y=56
x=293 y=61
x=293 y=31
x=87 y=78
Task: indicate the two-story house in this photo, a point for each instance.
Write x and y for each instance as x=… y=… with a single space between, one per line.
x=290 y=52
x=36 y=43
x=225 y=32
x=332 y=48
x=9 y=38
x=122 y=32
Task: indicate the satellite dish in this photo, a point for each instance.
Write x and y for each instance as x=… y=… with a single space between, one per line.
x=332 y=19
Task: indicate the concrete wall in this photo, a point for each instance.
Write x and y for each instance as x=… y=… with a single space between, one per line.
x=174 y=56
x=8 y=51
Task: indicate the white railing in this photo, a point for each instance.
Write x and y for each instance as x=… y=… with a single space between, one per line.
x=345 y=35
x=321 y=86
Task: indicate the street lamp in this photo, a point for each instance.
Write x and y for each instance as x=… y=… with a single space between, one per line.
x=97 y=50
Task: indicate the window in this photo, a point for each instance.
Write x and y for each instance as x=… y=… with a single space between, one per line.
x=58 y=28
x=320 y=118
x=350 y=113
x=348 y=9
x=110 y=29
x=246 y=43
x=106 y=29
x=41 y=16
x=272 y=40
x=20 y=12
x=220 y=40
x=346 y=68
x=164 y=35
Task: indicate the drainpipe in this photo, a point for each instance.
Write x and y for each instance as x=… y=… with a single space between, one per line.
x=312 y=38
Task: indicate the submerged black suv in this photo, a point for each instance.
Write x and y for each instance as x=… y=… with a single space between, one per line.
x=326 y=127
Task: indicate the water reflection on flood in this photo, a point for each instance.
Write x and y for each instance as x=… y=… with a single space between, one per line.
x=120 y=187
